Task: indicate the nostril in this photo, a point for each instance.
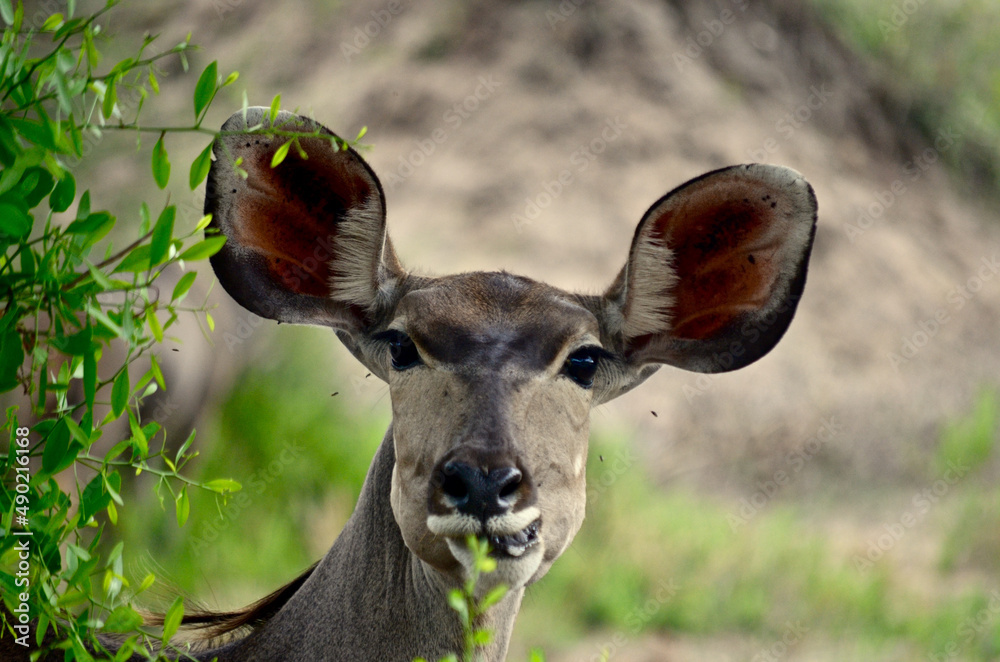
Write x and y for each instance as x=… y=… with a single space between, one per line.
x=455 y=486
x=509 y=483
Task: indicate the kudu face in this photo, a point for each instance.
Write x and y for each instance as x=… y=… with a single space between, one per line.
x=492 y=376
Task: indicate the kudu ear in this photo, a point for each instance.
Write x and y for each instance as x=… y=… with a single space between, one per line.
x=715 y=271
x=306 y=240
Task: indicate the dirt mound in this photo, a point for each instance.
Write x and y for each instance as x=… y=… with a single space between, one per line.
x=532 y=136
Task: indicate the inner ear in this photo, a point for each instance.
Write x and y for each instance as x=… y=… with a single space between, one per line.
x=306 y=238
x=716 y=269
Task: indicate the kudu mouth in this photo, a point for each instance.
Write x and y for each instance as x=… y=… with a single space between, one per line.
x=487 y=497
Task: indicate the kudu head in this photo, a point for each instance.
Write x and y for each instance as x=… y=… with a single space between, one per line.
x=492 y=376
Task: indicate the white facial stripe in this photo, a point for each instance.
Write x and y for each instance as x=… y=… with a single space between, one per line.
x=511 y=523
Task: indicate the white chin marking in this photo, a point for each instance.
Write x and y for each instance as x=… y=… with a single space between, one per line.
x=512 y=571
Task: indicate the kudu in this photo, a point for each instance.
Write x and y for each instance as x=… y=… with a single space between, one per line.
x=491 y=376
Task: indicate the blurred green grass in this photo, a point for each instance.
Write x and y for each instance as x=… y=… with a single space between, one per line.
x=783 y=566
x=301 y=458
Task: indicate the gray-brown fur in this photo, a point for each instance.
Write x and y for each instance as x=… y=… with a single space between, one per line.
x=491 y=377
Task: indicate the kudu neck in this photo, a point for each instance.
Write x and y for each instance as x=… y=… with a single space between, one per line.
x=370 y=597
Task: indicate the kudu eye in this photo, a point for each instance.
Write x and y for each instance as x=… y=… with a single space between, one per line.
x=581 y=365
x=402 y=350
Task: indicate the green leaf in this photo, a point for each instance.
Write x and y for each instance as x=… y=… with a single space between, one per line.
x=15 y=222
x=183 y=506
x=275 y=107
x=146 y=582
x=52 y=22
x=56 y=447
x=161 y=164
x=11 y=356
x=110 y=97
x=138 y=436
x=486 y=564
x=113 y=483
x=172 y=620
x=119 y=393
x=185 y=446
x=154 y=325
x=144 y=218
x=200 y=167
x=230 y=79
x=102 y=281
x=6 y=12
x=154 y=367
x=280 y=154
x=162 y=234
x=78 y=433
x=182 y=286
x=456 y=600
x=77 y=344
x=94 y=499
x=205 y=88
x=89 y=378
x=122 y=619
x=222 y=485
x=137 y=260
x=204 y=249
x=83 y=209
x=35 y=185
x=63 y=194
x=494 y=596
x=92 y=224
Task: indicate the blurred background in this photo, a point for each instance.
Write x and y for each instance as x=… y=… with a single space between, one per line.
x=837 y=500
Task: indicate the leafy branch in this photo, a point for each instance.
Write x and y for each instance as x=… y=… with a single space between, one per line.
x=67 y=297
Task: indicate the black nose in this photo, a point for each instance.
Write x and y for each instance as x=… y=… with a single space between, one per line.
x=481 y=493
